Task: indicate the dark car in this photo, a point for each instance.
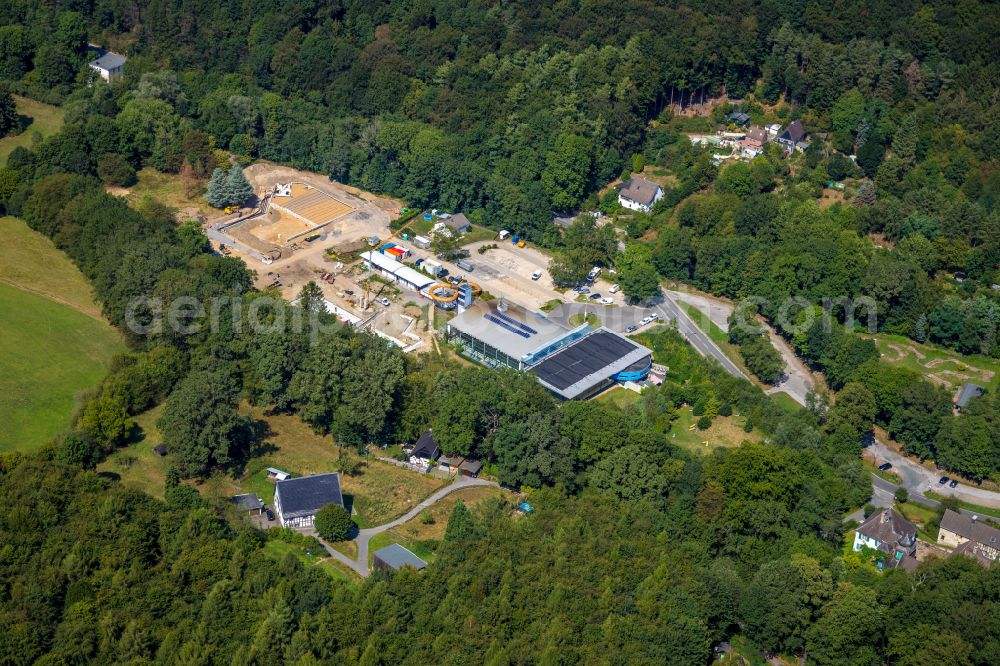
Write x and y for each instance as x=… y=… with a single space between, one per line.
x=943 y=480
x=885 y=467
x=581 y=289
x=632 y=329
x=595 y=296
x=270 y=514
x=954 y=482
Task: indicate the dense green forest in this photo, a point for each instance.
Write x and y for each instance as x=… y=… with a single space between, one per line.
x=638 y=552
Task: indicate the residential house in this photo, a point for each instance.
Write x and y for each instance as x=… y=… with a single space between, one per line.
x=753 y=142
x=394 y=557
x=298 y=500
x=637 y=193
x=425 y=451
x=249 y=502
x=792 y=135
x=458 y=223
x=738 y=118
x=967 y=394
x=888 y=532
x=108 y=65
x=969 y=536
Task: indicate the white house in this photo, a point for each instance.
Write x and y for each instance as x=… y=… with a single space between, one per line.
x=891 y=534
x=298 y=500
x=109 y=65
x=639 y=194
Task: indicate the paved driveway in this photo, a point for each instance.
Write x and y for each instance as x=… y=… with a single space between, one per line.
x=360 y=564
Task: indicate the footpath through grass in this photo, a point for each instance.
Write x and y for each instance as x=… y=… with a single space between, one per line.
x=42 y=120
x=939 y=365
x=49 y=354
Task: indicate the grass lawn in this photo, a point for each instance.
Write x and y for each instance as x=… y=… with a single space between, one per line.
x=725 y=431
x=786 y=402
x=278 y=550
x=719 y=337
x=45 y=120
x=477 y=233
x=941 y=366
x=49 y=354
x=378 y=492
x=30 y=262
x=920 y=516
x=619 y=396
x=420 y=536
x=590 y=319
x=984 y=510
x=168 y=189
x=889 y=476
x=136 y=464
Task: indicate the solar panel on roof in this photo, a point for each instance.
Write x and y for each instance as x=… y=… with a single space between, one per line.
x=514 y=322
x=501 y=323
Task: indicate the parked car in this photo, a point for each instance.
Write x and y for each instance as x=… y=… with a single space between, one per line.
x=270 y=514
x=632 y=329
x=653 y=316
x=594 y=272
x=594 y=296
x=943 y=480
x=606 y=301
x=536 y=275
x=464 y=265
x=885 y=467
x=954 y=483
x=384 y=301
x=455 y=279
x=582 y=289
x=645 y=320
x=615 y=289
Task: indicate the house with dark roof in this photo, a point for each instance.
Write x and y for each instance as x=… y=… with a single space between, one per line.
x=637 y=193
x=298 y=500
x=967 y=393
x=458 y=223
x=425 y=451
x=249 y=502
x=738 y=118
x=792 y=135
x=969 y=536
x=889 y=533
x=470 y=467
x=108 y=65
x=394 y=557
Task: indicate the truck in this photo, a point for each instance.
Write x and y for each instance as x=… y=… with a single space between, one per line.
x=432 y=267
x=464 y=265
x=422 y=242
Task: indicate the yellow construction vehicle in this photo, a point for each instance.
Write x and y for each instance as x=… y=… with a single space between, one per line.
x=231 y=209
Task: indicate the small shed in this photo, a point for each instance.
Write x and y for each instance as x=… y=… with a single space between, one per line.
x=470 y=467
x=451 y=463
x=967 y=394
x=394 y=557
x=739 y=118
x=276 y=474
x=249 y=502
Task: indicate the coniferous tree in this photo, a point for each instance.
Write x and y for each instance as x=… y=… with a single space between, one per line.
x=238 y=189
x=217 y=192
x=8 y=113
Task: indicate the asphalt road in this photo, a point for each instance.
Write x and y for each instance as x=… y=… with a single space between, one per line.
x=919 y=480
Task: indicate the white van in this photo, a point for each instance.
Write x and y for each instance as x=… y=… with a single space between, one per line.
x=536 y=275
x=615 y=289
x=594 y=272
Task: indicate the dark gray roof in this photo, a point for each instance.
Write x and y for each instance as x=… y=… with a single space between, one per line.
x=739 y=117
x=458 y=221
x=889 y=529
x=793 y=133
x=109 y=61
x=248 y=501
x=398 y=557
x=588 y=362
x=967 y=393
x=426 y=447
x=973 y=530
x=974 y=550
x=306 y=495
x=639 y=190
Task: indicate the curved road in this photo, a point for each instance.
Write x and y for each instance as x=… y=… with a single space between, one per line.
x=360 y=564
